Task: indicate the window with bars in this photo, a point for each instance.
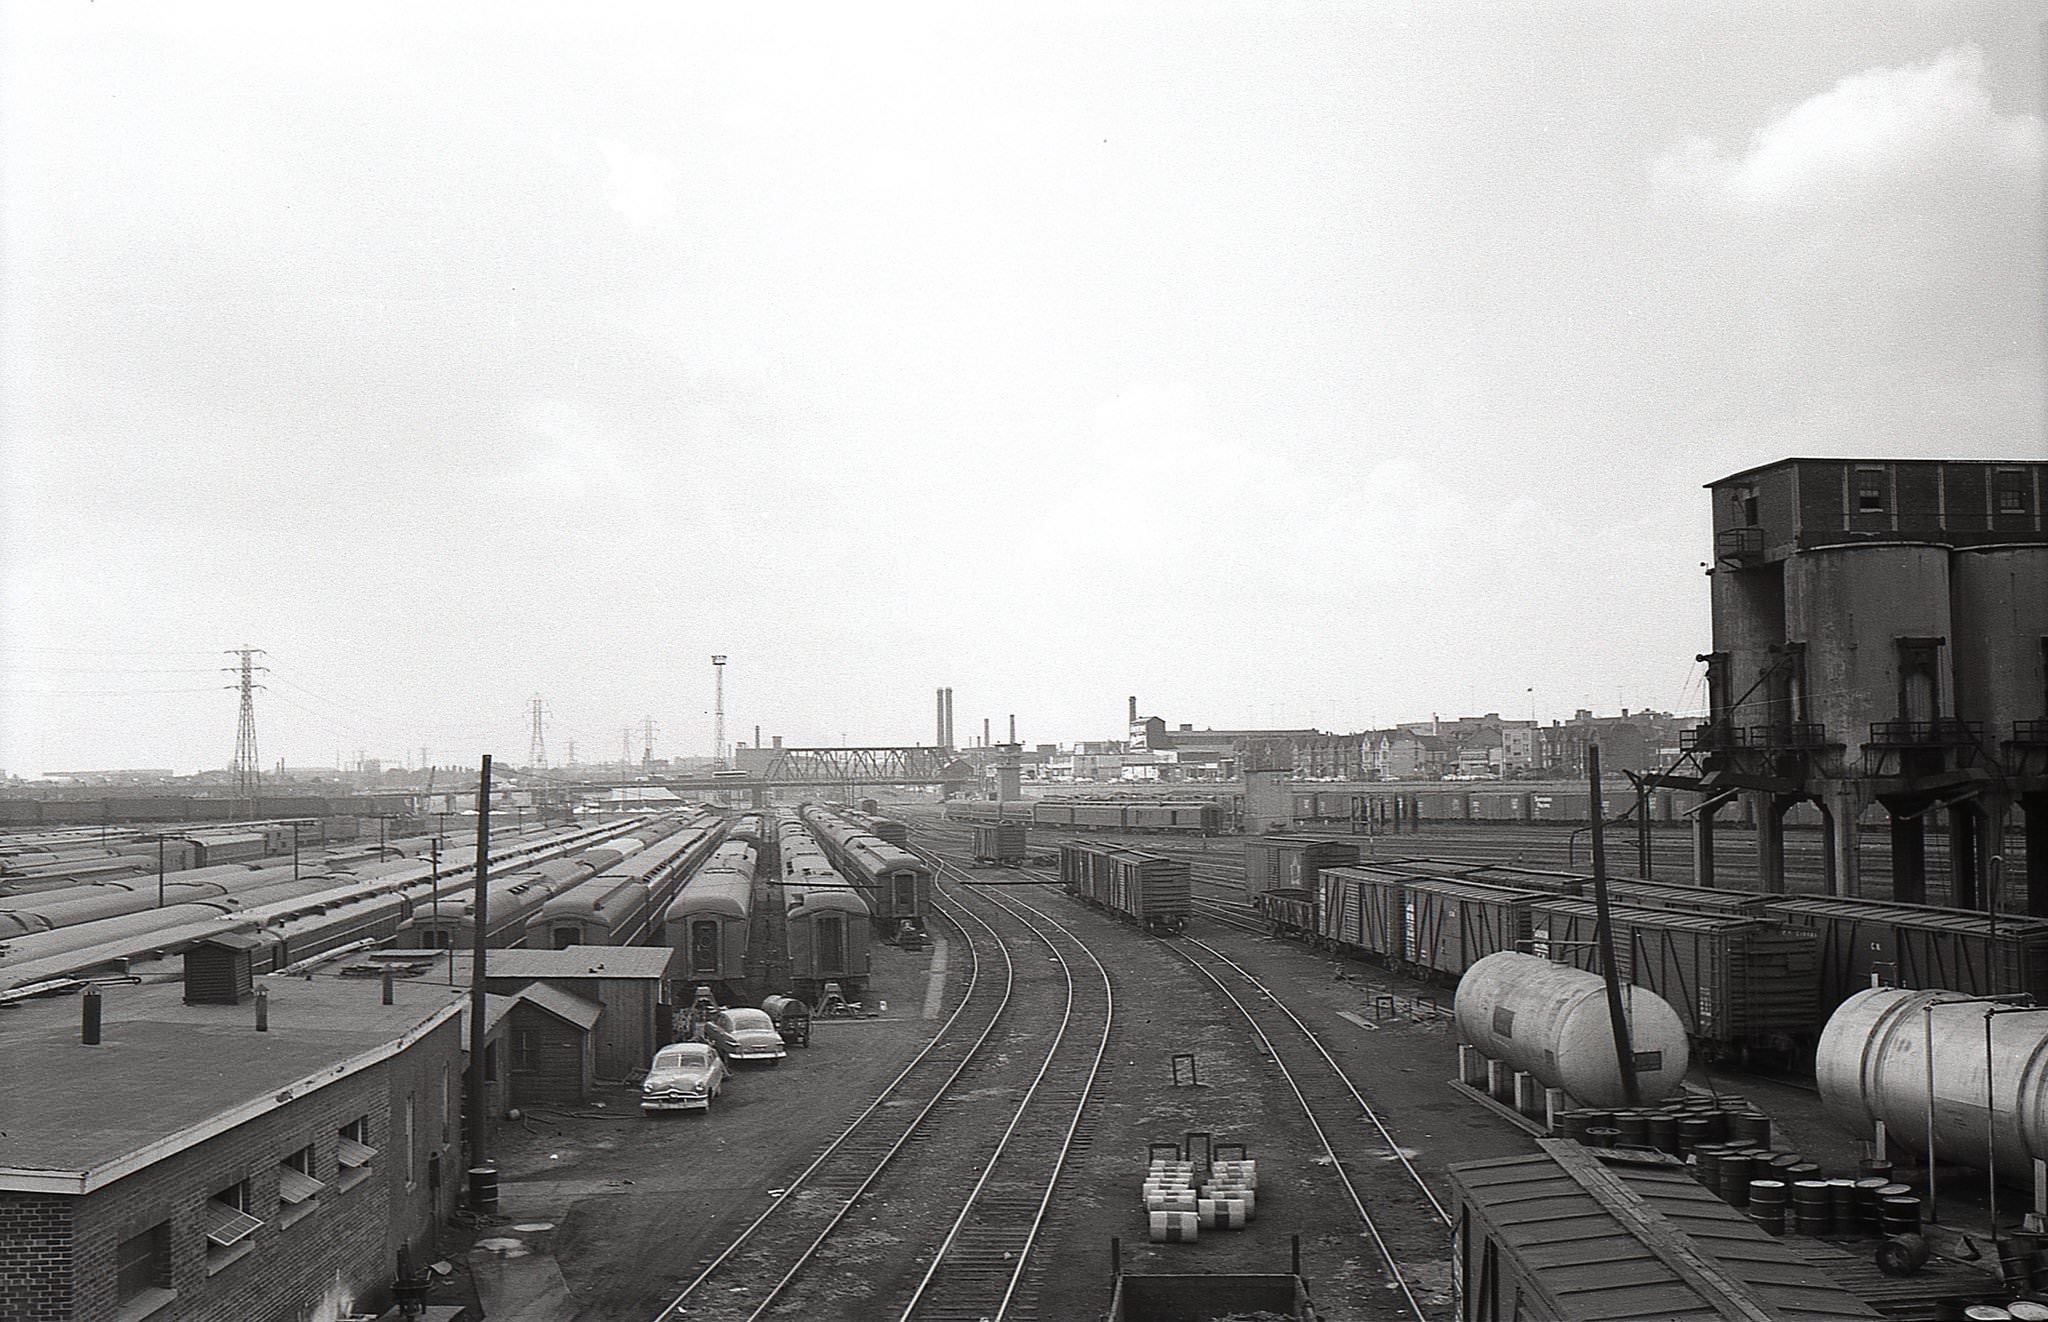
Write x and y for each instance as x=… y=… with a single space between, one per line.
x=1870 y=486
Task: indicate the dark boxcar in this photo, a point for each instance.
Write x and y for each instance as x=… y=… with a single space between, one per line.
x=1736 y=982
x=1000 y=842
x=1448 y=926
x=1153 y=891
x=1917 y=946
x=1291 y=863
x=1500 y=806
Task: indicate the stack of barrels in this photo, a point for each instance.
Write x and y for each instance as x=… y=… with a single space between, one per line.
x=1169 y=1193
x=1728 y=1144
x=1178 y=1213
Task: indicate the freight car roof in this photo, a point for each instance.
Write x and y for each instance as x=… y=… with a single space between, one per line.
x=1598 y=1242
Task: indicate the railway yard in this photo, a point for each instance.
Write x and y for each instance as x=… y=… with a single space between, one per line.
x=989 y=1072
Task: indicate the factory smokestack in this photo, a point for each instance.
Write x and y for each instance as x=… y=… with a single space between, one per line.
x=1134 y=709
x=984 y=732
x=1013 y=727
x=949 y=718
x=940 y=737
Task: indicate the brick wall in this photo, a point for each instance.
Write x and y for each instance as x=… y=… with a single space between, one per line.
x=35 y=1257
x=341 y=1253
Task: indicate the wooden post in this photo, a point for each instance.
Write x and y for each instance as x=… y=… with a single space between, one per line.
x=1624 y=1056
x=478 y=1129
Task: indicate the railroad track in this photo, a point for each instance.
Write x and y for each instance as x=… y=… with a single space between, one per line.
x=1377 y=1178
x=872 y=1167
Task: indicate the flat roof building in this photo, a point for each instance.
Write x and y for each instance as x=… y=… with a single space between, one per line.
x=217 y=1160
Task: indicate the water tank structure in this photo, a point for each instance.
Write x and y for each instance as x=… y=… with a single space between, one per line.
x=1851 y=606
x=2000 y=597
x=1550 y=1020
x=1749 y=625
x=1872 y=1064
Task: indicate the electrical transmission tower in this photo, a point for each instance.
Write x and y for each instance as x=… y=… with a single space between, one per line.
x=248 y=771
x=718 y=710
x=625 y=746
x=537 y=747
x=647 y=755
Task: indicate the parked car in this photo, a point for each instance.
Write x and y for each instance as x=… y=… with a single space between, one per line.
x=685 y=1076
x=745 y=1035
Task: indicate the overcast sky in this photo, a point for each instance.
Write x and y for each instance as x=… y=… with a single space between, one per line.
x=1278 y=363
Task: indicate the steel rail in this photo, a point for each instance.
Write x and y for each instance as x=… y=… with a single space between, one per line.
x=1022 y=1253
x=678 y=1306
x=1365 y=1215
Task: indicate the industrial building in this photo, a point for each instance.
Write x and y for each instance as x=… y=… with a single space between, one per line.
x=224 y=1147
x=1880 y=637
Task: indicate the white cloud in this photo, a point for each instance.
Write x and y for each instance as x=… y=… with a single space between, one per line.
x=639 y=185
x=1917 y=126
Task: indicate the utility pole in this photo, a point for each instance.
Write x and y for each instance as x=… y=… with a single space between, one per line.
x=248 y=771
x=478 y=1129
x=1624 y=1054
x=718 y=709
x=537 y=744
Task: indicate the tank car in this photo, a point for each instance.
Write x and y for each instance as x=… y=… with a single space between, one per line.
x=1551 y=1021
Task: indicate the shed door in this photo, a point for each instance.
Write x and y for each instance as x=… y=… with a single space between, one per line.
x=831 y=929
x=704 y=946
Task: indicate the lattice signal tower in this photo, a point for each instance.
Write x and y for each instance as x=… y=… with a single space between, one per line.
x=245 y=766
x=648 y=725
x=718 y=709
x=537 y=746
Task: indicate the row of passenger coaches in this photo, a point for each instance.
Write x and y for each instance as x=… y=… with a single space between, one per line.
x=598 y=884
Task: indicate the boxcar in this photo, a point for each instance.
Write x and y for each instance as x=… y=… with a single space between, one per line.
x=1448 y=926
x=1916 y=946
x=1153 y=891
x=1562 y=1237
x=1000 y=842
x=1359 y=909
x=1291 y=863
x=1737 y=982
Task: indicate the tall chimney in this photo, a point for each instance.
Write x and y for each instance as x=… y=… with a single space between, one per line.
x=1134 y=709
x=946 y=740
x=1013 y=727
x=984 y=732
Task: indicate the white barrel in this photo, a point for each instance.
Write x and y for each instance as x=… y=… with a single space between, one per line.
x=1551 y=1021
x=1177 y=1200
x=1236 y=1194
x=1244 y=1173
x=1175 y=1227
x=1220 y=1214
x=1872 y=1064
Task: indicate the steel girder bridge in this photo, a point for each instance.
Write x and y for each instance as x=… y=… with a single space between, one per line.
x=807 y=768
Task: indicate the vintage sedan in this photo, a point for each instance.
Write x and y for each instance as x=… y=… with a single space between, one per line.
x=745 y=1035
x=684 y=1077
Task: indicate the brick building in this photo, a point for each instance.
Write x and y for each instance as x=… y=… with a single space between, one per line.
x=192 y=1166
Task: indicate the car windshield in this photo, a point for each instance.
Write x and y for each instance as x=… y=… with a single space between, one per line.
x=742 y=1019
x=682 y=1057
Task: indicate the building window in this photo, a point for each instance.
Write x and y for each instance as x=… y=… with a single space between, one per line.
x=1746 y=506
x=522 y=1050
x=143 y=1263
x=1870 y=490
x=411 y=1142
x=298 y=1188
x=229 y=1226
x=353 y=1153
x=2009 y=488
x=447 y=1105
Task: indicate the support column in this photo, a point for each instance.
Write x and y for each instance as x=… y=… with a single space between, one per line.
x=1703 y=845
x=1844 y=809
x=1909 y=854
x=1964 y=870
x=1770 y=840
x=2035 y=832
x=2001 y=890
